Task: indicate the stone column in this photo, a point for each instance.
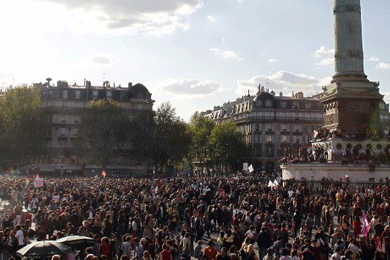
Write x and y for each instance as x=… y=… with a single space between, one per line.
x=348 y=40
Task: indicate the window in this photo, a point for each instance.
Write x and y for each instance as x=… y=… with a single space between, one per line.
x=257 y=139
x=298 y=139
x=62 y=143
x=109 y=94
x=63 y=131
x=268 y=127
x=269 y=138
x=269 y=150
x=257 y=151
x=308 y=105
x=63 y=118
x=65 y=94
x=283 y=104
x=268 y=103
x=77 y=119
x=297 y=128
x=94 y=94
x=307 y=116
x=123 y=96
x=281 y=115
x=259 y=103
x=269 y=115
x=284 y=128
x=284 y=138
x=77 y=94
x=295 y=104
x=257 y=127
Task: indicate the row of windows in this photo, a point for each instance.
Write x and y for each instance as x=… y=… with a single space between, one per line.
x=64 y=132
x=385 y=117
x=95 y=94
x=281 y=116
x=66 y=119
x=258 y=139
x=269 y=127
x=288 y=115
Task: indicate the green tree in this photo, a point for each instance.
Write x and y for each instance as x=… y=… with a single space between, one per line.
x=228 y=146
x=24 y=125
x=104 y=131
x=142 y=135
x=171 y=140
x=201 y=128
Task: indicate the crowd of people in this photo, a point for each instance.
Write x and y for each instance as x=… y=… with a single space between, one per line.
x=237 y=218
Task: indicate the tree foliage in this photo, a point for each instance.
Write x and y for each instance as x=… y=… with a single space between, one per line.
x=104 y=130
x=228 y=144
x=24 y=125
x=171 y=140
x=218 y=146
x=201 y=128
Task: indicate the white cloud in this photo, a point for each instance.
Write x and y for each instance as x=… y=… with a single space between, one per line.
x=283 y=81
x=103 y=59
x=322 y=51
x=119 y=17
x=383 y=65
x=273 y=60
x=326 y=62
x=211 y=19
x=226 y=54
x=189 y=88
x=373 y=58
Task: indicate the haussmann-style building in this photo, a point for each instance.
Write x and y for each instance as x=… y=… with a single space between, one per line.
x=66 y=103
x=272 y=124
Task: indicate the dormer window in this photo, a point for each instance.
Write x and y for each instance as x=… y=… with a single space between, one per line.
x=268 y=103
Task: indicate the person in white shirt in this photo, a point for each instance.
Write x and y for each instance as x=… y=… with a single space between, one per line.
x=20 y=236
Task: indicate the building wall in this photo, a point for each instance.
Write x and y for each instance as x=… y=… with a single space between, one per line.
x=272 y=124
x=66 y=102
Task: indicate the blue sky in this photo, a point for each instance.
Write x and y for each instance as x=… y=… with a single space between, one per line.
x=195 y=54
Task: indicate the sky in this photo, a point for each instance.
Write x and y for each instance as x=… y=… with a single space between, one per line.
x=196 y=54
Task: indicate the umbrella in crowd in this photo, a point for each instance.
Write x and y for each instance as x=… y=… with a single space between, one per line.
x=43 y=249
x=76 y=241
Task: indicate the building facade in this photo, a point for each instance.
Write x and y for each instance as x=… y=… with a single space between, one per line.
x=66 y=103
x=272 y=124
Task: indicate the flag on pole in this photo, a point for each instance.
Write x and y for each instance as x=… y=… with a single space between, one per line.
x=366 y=225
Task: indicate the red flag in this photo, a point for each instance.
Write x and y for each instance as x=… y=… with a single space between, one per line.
x=104 y=174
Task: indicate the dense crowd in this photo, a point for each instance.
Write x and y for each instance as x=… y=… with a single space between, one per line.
x=205 y=218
